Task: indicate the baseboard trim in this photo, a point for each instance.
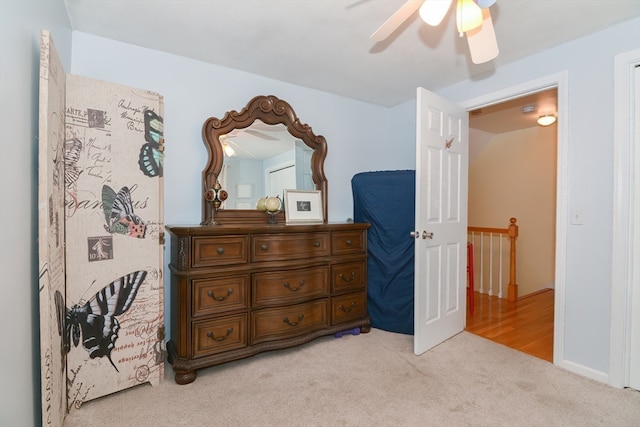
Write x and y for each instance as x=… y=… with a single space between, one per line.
x=584 y=371
x=532 y=294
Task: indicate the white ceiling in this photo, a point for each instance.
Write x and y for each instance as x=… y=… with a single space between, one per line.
x=325 y=45
x=260 y=141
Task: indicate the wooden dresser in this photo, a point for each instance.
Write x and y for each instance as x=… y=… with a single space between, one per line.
x=238 y=290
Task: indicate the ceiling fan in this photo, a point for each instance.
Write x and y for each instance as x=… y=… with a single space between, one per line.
x=258 y=141
x=246 y=146
x=472 y=18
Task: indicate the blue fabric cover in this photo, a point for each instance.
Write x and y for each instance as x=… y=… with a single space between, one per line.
x=386 y=200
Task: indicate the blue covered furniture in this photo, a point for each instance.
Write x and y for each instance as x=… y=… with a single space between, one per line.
x=386 y=200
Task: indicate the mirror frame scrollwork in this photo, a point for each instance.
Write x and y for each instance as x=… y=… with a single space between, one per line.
x=271 y=110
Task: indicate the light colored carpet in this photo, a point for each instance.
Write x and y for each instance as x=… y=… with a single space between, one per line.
x=373 y=380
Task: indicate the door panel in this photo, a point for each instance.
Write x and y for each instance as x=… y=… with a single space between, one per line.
x=441 y=220
x=453 y=278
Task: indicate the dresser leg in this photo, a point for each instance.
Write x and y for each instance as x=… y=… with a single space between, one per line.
x=185 y=376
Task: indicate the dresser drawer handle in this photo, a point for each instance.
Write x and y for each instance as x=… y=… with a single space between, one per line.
x=348 y=242
x=348 y=310
x=348 y=279
x=264 y=247
x=210 y=294
x=220 y=250
x=229 y=332
x=316 y=243
x=286 y=320
x=288 y=286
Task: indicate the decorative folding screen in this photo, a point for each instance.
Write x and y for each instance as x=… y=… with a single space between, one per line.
x=51 y=232
x=105 y=315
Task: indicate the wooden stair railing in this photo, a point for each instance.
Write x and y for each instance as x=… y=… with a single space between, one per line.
x=512 y=233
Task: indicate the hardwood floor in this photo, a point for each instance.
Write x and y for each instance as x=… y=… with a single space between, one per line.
x=525 y=325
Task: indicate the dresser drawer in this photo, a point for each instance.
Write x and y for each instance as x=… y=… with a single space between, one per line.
x=348 y=276
x=286 y=322
x=277 y=247
x=221 y=334
x=216 y=251
x=348 y=242
x=278 y=287
x=348 y=307
x=219 y=294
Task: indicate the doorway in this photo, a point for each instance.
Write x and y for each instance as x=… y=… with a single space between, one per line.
x=512 y=173
x=555 y=84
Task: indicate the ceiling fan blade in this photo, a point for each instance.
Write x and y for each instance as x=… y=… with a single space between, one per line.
x=392 y=24
x=259 y=134
x=240 y=150
x=483 y=45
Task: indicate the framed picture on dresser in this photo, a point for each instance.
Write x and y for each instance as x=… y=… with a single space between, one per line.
x=303 y=206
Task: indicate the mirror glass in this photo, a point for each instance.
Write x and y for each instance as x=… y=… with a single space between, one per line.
x=262 y=160
x=258 y=152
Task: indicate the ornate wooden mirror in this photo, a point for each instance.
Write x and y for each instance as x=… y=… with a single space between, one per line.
x=267 y=119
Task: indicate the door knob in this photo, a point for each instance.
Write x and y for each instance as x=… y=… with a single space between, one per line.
x=426 y=235
x=414 y=234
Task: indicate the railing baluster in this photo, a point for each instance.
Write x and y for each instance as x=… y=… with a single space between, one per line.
x=485 y=233
x=500 y=269
x=512 y=290
x=490 y=264
x=482 y=263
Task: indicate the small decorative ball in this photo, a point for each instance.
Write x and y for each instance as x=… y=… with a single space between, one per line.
x=273 y=204
x=261 y=205
x=210 y=195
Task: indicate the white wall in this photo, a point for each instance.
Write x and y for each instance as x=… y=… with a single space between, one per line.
x=20 y=25
x=589 y=63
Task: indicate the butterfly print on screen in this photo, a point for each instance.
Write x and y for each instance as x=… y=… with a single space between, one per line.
x=151 y=156
x=95 y=320
x=119 y=215
x=72 y=150
x=70 y=156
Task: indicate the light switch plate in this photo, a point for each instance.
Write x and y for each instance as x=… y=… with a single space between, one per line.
x=576 y=218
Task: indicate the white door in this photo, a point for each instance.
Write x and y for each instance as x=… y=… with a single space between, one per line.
x=280 y=179
x=442 y=150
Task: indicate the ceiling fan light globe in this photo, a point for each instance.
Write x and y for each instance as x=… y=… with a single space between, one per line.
x=468 y=15
x=433 y=11
x=483 y=4
x=228 y=150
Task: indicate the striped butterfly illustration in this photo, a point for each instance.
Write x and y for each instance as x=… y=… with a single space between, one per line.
x=71 y=155
x=72 y=150
x=119 y=214
x=151 y=156
x=95 y=320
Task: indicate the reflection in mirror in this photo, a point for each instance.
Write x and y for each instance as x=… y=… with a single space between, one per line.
x=263 y=160
x=258 y=169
